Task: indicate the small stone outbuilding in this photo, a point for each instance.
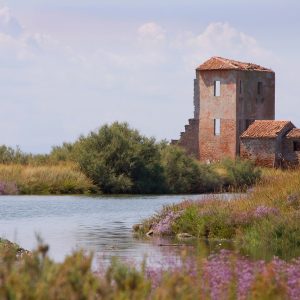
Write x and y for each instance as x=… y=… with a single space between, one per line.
x=271 y=143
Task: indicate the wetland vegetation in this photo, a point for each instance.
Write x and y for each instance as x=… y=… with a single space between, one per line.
x=115 y=160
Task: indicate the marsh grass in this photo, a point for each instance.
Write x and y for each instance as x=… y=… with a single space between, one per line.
x=268 y=218
x=220 y=276
x=43 y=180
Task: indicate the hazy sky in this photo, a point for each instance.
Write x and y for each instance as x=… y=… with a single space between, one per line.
x=69 y=66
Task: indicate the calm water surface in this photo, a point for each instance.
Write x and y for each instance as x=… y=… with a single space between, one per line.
x=99 y=224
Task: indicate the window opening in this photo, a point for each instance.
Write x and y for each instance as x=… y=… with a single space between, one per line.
x=217 y=126
x=259 y=88
x=217 y=88
x=296 y=145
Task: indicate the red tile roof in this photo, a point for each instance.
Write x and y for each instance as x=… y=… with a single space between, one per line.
x=265 y=129
x=220 y=63
x=294 y=134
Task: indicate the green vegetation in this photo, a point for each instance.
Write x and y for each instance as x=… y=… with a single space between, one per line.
x=118 y=159
x=268 y=218
x=59 y=179
x=222 y=276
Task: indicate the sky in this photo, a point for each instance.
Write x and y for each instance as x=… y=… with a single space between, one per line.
x=69 y=66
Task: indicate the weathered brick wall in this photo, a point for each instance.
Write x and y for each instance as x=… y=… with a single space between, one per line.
x=189 y=139
x=261 y=151
x=224 y=107
x=290 y=156
x=234 y=108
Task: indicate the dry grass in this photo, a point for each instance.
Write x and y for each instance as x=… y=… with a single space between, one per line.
x=50 y=179
x=268 y=218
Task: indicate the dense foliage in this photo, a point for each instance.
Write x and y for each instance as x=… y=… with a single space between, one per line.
x=118 y=159
x=183 y=174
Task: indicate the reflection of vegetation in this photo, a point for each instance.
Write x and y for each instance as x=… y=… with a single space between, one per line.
x=267 y=219
x=221 y=276
x=118 y=159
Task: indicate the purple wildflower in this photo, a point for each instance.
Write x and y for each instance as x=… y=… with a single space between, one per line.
x=265 y=211
x=164 y=226
x=293 y=279
x=225 y=273
x=8 y=188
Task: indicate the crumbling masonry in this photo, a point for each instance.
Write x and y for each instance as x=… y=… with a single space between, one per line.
x=230 y=97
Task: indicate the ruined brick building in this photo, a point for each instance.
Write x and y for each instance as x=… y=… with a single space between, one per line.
x=234 y=116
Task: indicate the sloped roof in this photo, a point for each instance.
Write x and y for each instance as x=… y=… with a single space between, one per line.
x=220 y=63
x=294 y=134
x=265 y=129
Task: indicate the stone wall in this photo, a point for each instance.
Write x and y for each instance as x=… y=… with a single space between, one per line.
x=261 y=151
x=290 y=157
x=269 y=152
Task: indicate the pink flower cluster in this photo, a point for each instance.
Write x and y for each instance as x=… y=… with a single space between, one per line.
x=265 y=211
x=225 y=274
x=164 y=226
x=8 y=188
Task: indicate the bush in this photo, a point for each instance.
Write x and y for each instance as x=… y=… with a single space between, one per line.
x=240 y=173
x=184 y=174
x=120 y=160
x=9 y=155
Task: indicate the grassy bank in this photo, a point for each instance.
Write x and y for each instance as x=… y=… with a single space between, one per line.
x=268 y=218
x=43 y=180
x=222 y=276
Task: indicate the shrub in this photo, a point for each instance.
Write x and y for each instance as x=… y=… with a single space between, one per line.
x=120 y=160
x=240 y=173
x=184 y=174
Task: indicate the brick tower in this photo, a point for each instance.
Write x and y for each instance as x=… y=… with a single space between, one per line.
x=228 y=96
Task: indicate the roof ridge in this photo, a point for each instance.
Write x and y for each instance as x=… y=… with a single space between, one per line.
x=266 y=128
x=222 y=63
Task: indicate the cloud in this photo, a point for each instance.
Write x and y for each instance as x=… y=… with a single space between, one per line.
x=221 y=39
x=152 y=33
x=8 y=23
x=56 y=92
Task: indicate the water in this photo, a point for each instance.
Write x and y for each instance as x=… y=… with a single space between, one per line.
x=102 y=225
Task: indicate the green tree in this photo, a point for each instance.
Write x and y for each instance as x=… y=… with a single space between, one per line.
x=183 y=174
x=120 y=160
